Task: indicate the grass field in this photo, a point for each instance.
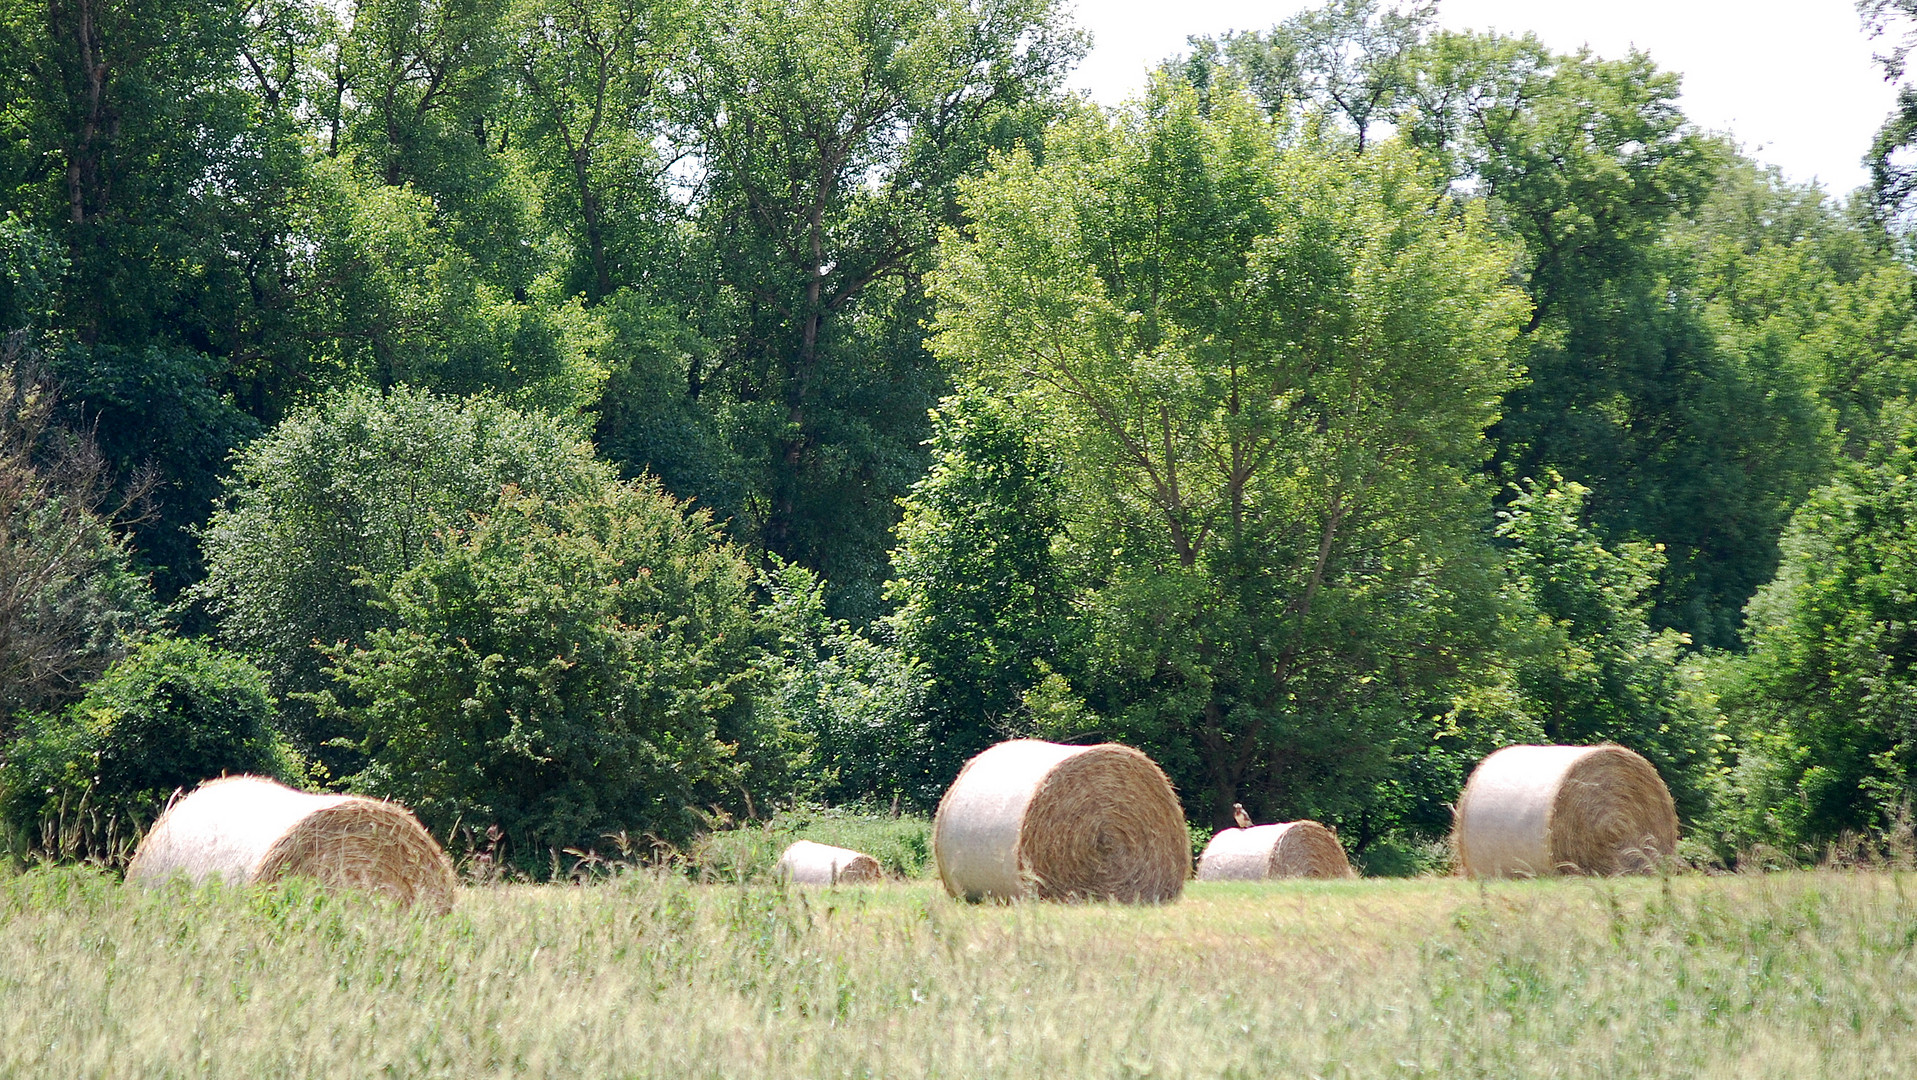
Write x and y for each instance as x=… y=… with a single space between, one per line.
x=1786 y=975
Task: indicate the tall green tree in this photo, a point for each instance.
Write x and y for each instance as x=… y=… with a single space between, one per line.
x=591 y=73
x=1269 y=375
x=135 y=146
x=1631 y=392
x=827 y=140
x=420 y=93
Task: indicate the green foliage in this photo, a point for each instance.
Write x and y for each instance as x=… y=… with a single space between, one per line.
x=855 y=700
x=1595 y=670
x=831 y=135
x=564 y=670
x=134 y=161
x=324 y=511
x=1823 y=704
x=1683 y=438
x=30 y=264
x=591 y=73
x=1226 y=385
x=1808 y=294
x=1268 y=375
x=152 y=410
x=70 y=600
x=410 y=95
x=1893 y=180
x=981 y=595
x=649 y=419
x=174 y=712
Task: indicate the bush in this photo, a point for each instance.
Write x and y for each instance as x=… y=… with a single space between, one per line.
x=855 y=700
x=1823 y=704
x=325 y=510
x=564 y=671
x=175 y=712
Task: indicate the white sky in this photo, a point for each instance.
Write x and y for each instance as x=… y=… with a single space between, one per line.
x=1792 y=80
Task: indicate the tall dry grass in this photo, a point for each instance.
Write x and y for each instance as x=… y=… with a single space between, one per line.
x=1786 y=975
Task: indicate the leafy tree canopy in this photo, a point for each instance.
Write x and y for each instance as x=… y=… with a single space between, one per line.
x=1269 y=375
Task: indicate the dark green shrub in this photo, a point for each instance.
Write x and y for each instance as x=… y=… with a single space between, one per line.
x=338 y=499
x=1823 y=709
x=174 y=712
x=564 y=671
x=853 y=698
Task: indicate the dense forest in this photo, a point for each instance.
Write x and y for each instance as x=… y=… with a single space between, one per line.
x=597 y=418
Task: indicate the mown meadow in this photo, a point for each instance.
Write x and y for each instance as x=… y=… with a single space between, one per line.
x=1803 y=973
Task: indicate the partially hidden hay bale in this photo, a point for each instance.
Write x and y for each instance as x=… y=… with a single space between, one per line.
x=807 y=863
x=1530 y=811
x=248 y=830
x=1293 y=849
x=1036 y=820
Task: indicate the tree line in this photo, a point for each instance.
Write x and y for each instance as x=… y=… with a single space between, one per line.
x=577 y=419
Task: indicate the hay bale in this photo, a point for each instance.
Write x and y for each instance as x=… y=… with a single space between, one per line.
x=807 y=863
x=248 y=830
x=1294 y=849
x=1535 y=810
x=1035 y=820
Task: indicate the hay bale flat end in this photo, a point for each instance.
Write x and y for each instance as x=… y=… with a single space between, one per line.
x=1036 y=820
x=1292 y=849
x=1532 y=811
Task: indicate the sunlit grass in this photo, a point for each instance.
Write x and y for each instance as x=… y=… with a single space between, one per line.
x=1800 y=974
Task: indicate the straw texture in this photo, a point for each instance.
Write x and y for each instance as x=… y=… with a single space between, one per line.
x=248 y=830
x=1529 y=811
x=807 y=863
x=1293 y=849
x=1036 y=820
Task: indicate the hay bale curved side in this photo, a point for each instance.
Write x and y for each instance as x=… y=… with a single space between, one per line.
x=248 y=830
x=809 y=863
x=1033 y=819
x=1529 y=811
x=1292 y=849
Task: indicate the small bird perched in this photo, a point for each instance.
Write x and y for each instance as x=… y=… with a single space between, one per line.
x=1238 y=814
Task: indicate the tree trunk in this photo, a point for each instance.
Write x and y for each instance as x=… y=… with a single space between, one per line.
x=84 y=198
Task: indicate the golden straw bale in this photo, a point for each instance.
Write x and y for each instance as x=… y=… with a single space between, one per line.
x=807 y=863
x=1534 y=810
x=1293 y=849
x=248 y=830
x=1036 y=820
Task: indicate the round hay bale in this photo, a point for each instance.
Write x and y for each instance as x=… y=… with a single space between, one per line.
x=807 y=863
x=1530 y=811
x=1294 y=849
x=248 y=830
x=1036 y=820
